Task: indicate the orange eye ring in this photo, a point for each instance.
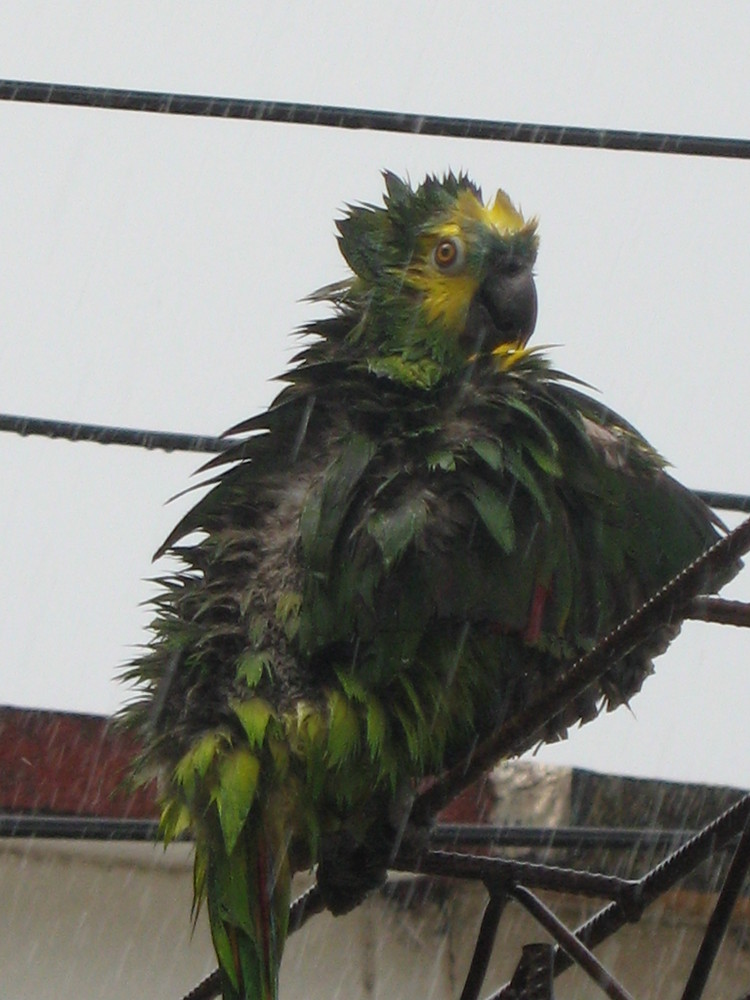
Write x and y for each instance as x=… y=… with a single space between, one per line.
x=448 y=255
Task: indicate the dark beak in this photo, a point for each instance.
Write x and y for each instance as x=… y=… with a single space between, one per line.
x=503 y=310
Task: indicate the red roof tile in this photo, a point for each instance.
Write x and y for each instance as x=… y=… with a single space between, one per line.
x=63 y=763
x=70 y=764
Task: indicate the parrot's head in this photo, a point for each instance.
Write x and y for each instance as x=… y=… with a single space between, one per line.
x=440 y=275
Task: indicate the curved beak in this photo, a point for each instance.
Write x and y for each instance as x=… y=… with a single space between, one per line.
x=503 y=310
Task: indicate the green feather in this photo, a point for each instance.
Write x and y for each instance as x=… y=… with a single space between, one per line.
x=238 y=780
x=343 y=728
x=398 y=527
x=254 y=716
x=494 y=512
x=426 y=525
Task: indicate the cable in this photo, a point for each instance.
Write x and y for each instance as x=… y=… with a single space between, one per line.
x=332 y=116
x=136 y=437
x=725 y=501
x=101 y=434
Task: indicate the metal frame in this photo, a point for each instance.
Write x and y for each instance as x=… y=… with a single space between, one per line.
x=513 y=880
x=505 y=880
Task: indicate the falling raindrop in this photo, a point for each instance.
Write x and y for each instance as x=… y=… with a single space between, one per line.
x=302 y=429
x=451 y=676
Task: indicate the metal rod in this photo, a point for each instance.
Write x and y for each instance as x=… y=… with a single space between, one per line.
x=719 y=920
x=669 y=603
x=207 y=988
x=533 y=978
x=664 y=876
x=570 y=943
x=480 y=960
x=448 y=835
x=445 y=834
x=500 y=870
x=77 y=827
x=607 y=921
x=720 y=611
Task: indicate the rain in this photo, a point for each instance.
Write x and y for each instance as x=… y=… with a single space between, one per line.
x=154 y=269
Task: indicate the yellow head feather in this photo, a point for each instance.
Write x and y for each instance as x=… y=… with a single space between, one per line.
x=501 y=215
x=447 y=296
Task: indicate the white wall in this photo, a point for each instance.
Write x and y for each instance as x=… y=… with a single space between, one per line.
x=112 y=920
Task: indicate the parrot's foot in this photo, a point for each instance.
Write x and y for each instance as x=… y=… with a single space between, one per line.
x=348 y=870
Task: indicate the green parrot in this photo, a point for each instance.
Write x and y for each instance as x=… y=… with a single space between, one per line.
x=425 y=526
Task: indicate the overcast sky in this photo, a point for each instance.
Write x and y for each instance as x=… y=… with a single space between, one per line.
x=153 y=269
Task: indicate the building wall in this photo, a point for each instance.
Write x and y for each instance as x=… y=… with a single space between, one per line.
x=90 y=920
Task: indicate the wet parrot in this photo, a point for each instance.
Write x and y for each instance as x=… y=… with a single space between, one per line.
x=418 y=535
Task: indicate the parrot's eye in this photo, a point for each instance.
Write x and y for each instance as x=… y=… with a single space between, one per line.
x=448 y=256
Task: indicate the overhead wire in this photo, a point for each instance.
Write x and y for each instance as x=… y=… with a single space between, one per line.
x=335 y=116
x=133 y=437
x=170 y=441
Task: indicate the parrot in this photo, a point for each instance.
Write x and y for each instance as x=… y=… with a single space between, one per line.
x=423 y=529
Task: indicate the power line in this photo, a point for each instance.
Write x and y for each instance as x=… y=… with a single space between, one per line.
x=739 y=502
x=135 y=437
x=100 y=434
x=332 y=116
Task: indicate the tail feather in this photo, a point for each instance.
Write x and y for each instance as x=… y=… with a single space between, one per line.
x=248 y=904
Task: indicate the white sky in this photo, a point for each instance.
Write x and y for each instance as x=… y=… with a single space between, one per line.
x=152 y=269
